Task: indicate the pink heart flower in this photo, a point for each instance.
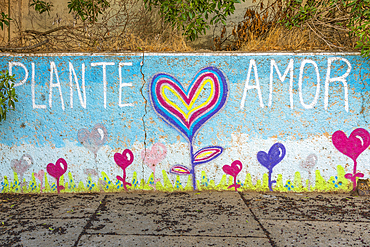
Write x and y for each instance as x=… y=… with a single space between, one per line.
x=57 y=171
x=233 y=169
x=125 y=159
x=22 y=165
x=354 y=145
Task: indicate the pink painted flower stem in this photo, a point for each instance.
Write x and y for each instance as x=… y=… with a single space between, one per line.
x=235 y=184
x=58 y=189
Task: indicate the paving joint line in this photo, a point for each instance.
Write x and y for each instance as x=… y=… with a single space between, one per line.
x=92 y=217
x=267 y=233
x=174 y=235
x=319 y=220
x=52 y=218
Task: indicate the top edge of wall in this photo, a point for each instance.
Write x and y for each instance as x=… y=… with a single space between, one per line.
x=184 y=54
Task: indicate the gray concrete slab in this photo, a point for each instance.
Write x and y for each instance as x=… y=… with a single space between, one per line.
x=317 y=233
x=184 y=219
x=310 y=207
x=49 y=206
x=205 y=213
x=50 y=232
x=135 y=240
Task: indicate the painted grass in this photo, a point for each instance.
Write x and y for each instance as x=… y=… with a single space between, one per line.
x=336 y=183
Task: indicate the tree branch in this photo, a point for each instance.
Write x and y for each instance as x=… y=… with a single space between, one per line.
x=24 y=48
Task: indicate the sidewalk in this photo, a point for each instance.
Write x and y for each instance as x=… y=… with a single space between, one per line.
x=184 y=219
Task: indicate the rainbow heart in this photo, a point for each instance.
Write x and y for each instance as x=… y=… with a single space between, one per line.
x=187 y=110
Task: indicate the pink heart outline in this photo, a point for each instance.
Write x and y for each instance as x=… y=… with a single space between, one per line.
x=57 y=171
x=40 y=176
x=233 y=170
x=155 y=155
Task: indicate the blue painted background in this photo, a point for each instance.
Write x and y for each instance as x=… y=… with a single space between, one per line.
x=51 y=128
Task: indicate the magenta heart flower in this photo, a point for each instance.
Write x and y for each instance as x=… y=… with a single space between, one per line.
x=353 y=146
x=57 y=170
x=233 y=170
x=124 y=160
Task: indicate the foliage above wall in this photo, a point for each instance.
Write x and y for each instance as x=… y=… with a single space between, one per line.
x=8 y=97
x=192 y=15
x=115 y=25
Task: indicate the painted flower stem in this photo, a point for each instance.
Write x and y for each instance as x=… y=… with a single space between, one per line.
x=235 y=187
x=123 y=180
x=353 y=177
x=58 y=188
x=192 y=172
x=271 y=182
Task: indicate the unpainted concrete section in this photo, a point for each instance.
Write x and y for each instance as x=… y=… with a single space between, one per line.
x=185 y=219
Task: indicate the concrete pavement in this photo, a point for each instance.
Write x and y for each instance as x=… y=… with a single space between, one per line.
x=184 y=219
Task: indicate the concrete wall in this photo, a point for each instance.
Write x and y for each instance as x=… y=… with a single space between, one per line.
x=26 y=18
x=209 y=121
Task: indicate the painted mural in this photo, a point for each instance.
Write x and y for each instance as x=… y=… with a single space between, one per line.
x=175 y=122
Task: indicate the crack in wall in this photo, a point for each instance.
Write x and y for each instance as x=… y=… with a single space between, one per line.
x=362 y=112
x=145 y=110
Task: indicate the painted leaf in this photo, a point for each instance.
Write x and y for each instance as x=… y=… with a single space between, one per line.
x=180 y=170
x=207 y=154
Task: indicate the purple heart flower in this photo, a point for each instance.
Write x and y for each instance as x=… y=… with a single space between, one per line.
x=276 y=154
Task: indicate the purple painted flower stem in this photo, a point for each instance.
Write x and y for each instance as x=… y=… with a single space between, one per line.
x=192 y=172
x=271 y=182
